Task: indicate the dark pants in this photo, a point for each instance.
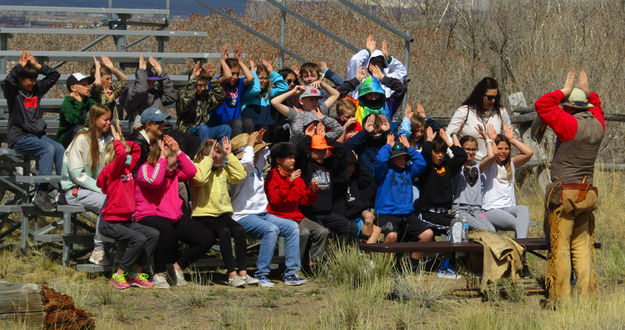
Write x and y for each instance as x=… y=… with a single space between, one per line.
x=225 y=228
x=346 y=230
x=185 y=230
x=140 y=241
x=313 y=240
x=241 y=126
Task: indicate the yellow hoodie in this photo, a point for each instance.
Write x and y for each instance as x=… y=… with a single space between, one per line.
x=209 y=191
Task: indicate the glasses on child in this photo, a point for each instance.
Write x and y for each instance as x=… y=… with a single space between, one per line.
x=470 y=149
x=290 y=81
x=492 y=97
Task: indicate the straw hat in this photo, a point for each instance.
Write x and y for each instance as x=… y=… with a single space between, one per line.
x=239 y=143
x=577 y=100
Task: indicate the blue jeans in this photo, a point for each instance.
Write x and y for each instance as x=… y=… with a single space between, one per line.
x=43 y=148
x=268 y=227
x=203 y=132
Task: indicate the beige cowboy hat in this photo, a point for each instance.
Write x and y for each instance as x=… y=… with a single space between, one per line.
x=239 y=143
x=577 y=100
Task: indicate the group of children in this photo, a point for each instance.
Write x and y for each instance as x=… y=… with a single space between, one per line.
x=254 y=153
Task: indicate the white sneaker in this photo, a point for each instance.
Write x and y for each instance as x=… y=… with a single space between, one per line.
x=180 y=281
x=98 y=257
x=160 y=281
x=250 y=280
x=236 y=281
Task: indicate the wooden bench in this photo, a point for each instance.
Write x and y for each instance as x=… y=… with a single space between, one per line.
x=531 y=245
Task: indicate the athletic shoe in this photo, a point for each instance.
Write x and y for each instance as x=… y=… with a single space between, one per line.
x=294 y=280
x=140 y=280
x=180 y=281
x=448 y=273
x=98 y=257
x=236 y=281
x=264 y=281
x=160 y=281
x=250 y=280
x=119 y=282
x=42 y=201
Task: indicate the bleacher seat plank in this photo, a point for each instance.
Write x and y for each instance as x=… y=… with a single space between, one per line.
x=93 y=10
x=529 y=244
x=154 y=33
x=76 y=56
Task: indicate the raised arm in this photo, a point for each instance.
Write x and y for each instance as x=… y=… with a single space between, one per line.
x=277 y=102
x=333 y=94
x=249 y=77
x=526 y=152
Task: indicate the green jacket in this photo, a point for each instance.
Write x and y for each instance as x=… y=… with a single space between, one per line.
x=192 y=109
x=72 y=114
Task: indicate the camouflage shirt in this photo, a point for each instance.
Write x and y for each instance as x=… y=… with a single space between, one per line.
x=192 y=109
x=98 y=93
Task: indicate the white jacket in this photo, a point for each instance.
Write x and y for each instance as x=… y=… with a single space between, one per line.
x=395 y=69
x=248 y=197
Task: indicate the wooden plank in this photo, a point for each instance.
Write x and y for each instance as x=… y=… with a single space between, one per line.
x=17 y=300
x=447 y=246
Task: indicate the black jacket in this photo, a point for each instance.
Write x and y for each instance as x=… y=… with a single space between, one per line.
x=326 y=173
x=25 y=114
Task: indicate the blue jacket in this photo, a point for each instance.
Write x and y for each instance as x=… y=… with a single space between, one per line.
x=394 y=194
x=250 y=96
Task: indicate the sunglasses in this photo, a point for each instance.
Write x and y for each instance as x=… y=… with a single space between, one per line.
x=492 y=97
x=290 y=81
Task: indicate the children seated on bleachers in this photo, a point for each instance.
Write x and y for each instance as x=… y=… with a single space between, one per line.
x=146 y=93
x=212 y=207
x=27 y=129
x=108 y=93
x=414 y=124
x=435 y=187
x=395 y=166
x=467 y=184
x=346 y=116
x=158 y=206
x=371 y=95
x=250 y=203
x=82 y=163
x=256 y=102
x=198 y=99
x=75 y=108
x=312 y=109
x=353 y=196
x=152 y=123
x=116 y=181
x=229 y=112
x=499 y=196
x=435 y=183
x=371 y=57
x=286 y=192
x=368 y=142
x=321 y=161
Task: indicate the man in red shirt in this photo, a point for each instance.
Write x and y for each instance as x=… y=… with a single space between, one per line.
x=576 y=117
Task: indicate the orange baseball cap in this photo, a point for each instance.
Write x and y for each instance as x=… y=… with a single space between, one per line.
x=319 y=143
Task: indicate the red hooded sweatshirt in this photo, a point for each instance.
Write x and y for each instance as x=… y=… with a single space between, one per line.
x=117 y=183
x=285 y=197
